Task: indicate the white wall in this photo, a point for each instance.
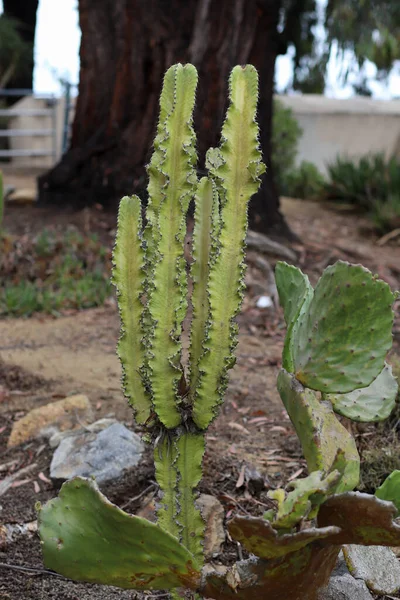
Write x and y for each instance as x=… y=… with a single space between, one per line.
x=354 y=127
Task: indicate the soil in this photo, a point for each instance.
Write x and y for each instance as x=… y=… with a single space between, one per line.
x=45 y=358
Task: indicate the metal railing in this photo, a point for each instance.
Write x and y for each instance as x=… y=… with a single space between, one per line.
x=48 y=113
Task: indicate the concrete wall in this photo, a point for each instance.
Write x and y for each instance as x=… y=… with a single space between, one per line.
x=330 y=127
x=353 y=127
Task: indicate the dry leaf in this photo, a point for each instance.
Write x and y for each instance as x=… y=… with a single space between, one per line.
x=240 y=480
x=239 y=427
x=296 y=474
x=43 y=477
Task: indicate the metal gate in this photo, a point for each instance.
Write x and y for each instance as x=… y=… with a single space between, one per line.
x=48 y=131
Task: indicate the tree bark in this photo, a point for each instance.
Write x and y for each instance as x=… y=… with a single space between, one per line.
x=126 y=47
x=23 y=11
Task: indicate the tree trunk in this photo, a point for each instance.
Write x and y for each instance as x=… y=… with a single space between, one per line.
x=126 y=47
x=23 y=11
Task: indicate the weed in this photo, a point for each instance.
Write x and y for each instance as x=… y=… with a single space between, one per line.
x=62 y=272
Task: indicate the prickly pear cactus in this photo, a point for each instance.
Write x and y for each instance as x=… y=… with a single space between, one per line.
x=86 y=537
x=373 y=403
x=390 y=489
x=173 y=401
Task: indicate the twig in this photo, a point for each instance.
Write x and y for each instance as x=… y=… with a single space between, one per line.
x=35 y=570
x=237 y=504
x=8 y=481
x=150 y=487
x=389 y=236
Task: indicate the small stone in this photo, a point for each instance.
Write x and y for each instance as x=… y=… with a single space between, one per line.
x=264 y=302
x=47 y=420
x=376 y=565
x=344 y=587
x=213 y=514
x=104 y=455
x=255 y=482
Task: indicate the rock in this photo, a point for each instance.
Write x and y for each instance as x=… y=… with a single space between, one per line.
x=345 y=587
x=264 y=302
x=376 y=565
x=95 y=427
x=104 y=455
x=10 y=532
x=213 y=514
x=255 y=482
x=57 y=416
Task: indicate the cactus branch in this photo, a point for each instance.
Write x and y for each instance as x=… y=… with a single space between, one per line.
x=167 y=296
x=128 y=260
x=237 y=174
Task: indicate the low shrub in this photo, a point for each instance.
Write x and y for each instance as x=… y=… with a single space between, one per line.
x=53 y=272
x=371 y=183
x=304 y=181
x=286 y=133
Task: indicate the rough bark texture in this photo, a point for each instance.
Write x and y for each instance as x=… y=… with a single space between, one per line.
x=127 y=45
x=23 y=11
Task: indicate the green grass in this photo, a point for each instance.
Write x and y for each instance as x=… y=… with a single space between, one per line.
x=54 y=272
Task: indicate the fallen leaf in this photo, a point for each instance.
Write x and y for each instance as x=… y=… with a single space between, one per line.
x=240 y=480
x=296 y=474
x=20 y=482
x=36 y=487
x=43 y=477
x=239 y=427
x=279 y=428
x=259 y=421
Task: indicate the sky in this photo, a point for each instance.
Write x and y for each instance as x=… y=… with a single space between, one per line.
x=57 y=55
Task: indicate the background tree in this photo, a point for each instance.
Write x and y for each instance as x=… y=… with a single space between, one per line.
x=17 y=36
x=128 y=44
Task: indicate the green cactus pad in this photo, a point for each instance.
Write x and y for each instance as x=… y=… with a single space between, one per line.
x=362 y=519
x=259 y=537
x=390 y=489
x=303 y=501
x=322 y=436
x=128 y=257
x=236 y=171
x=292 y=286
x=295 y=294
x=372 y=403
x=87 y=538
x=341 y=342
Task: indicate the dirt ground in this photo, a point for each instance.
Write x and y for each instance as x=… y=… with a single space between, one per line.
x=44 y=359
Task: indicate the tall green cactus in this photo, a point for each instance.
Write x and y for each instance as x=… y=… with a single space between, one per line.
x=176 y=402
x=333 y=362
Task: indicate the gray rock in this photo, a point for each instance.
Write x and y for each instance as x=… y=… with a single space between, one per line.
x=104 y=455
x=95 y=427
x=376 y=565
x=345 y=587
